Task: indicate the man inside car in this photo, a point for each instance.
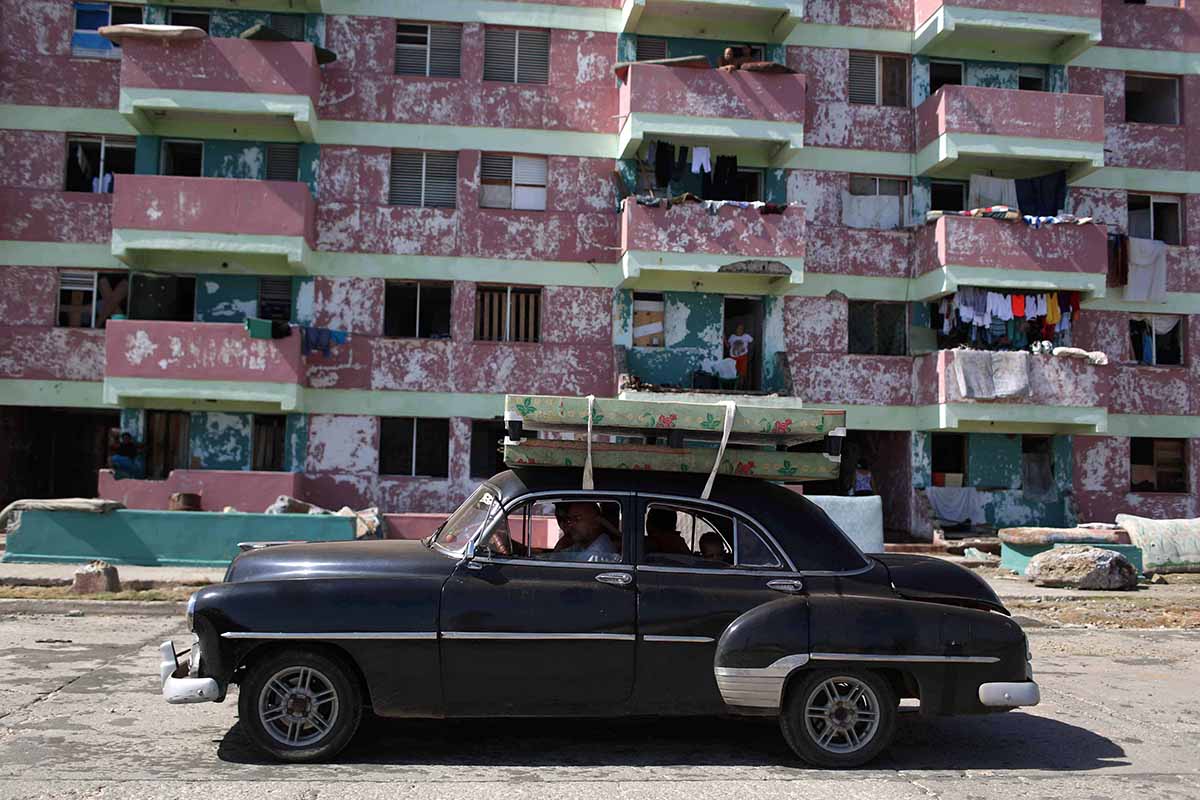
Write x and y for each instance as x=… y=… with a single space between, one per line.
x=587 y=536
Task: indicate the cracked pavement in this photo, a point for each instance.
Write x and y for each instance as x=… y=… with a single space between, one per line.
x=81 y=717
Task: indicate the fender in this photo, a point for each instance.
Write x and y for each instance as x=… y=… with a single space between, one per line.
x=758 y=651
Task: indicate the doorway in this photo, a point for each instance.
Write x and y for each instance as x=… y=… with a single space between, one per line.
x=746 y=312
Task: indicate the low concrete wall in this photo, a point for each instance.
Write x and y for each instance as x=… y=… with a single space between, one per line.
x=159 y=538
x=246 y=491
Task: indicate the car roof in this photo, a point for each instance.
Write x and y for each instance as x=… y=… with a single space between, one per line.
x=812 y=540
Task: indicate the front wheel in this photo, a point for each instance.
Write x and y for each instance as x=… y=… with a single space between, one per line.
x=839 y=718
x=300 y=705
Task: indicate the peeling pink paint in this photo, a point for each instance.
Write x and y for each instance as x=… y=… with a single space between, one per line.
x=1151 y=27
x=691 y=228
x=36 y=60
x=34 y=159
x=852 y=379
x=1010 y=112
x=655 y=89
x=966 y=241
x=67 y=354
x=214 y=205
x=40 y=215
x=831 y=120
x=213 y=351
x=218 y=489
x=1102 y=483
x=28 y=296
x=890 y=14
x=816 y=324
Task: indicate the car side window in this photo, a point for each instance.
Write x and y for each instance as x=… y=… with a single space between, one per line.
x=571 y=528
x=680 y=536
x=752 y=549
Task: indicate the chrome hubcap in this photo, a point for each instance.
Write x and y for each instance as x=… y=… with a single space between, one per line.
x=842 y=715
x=298 y=706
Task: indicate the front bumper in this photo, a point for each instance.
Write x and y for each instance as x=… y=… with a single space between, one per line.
x=1009 y=695
x=177 y=687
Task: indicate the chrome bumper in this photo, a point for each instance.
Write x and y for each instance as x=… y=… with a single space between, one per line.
x=176 y=687
x=1009 y=695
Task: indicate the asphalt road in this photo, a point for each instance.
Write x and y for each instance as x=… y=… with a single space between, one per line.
x=80 y=716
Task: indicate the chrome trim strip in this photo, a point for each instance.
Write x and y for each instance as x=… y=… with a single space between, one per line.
x=759 y=573
x=617 y=637
x=757 y=687
x=1009 y=695
x=912 y=659
x=422 y=635
x=681 y=639
x=537 y=562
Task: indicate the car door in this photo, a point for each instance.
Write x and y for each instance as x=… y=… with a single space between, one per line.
x=693 y=581
x=530 y=627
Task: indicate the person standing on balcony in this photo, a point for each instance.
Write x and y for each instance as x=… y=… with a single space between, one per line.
x=740 y=345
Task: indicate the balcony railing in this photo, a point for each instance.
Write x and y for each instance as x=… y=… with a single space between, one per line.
x=1039 y=31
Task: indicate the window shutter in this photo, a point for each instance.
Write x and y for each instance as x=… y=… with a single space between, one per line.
x=525 y=315
x=533 y=56
x=412 y=49
x=290 y=25
x=441 y=180
x=283 y=162
x=77 y=281
x=499 y=54
x=495 y=174
x=404 y=188
x=651 y=49
x=862 y=78
x=529 y=183
x=490 y=313
x=445 y=50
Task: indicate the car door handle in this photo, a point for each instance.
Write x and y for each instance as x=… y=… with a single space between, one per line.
x=787 y=585
x=615 y=578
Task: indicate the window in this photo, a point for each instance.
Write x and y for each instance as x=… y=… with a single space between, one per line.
x=267 y=446
x=275 y=299
x=944 y=73
x=878 y=329
x=948 y=196
x=89 y=299
x=1156 y=339
x=162 y=297
x=869 y=186
x=517 y=182
x=1159 y=3
x=649 y=316
x=86 y=40
x=508 y=314
x=1151 y=99
x=182 y=158
x=290 y=25
x=1158 y=465
x=417 y=446
x=746 y=186
x=949 y=458
x=878 y=80
x=487 y=436
x=1154 y=217
x=416 y=309
x=166 y=446
x=1032 y=79
x=574 y=528
x=190 y=17
x=651 y=49
x=92 y=161
x=516 y=56
x=283 y=162
x=433 y=51
x=1037 y=465
x=423 y=179
x=682 y=536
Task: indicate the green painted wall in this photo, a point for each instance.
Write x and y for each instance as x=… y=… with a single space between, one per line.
x=229 y=159
x=995 y=74
x=693 y=333
x=295 y=442
x=226 y=298
x=159 y=538
x=994 y=461
x=146 y=155
x=774 y=377
x=220 y=440
x=310 y=165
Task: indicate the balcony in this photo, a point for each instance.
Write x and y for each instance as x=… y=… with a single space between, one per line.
x=151 y=363
x=1034 y=31
x=220 y=88
x=1012 y=133
x=703 y=106
x=1000 y=255
x=731 y=241
x=167 y=222
x=747 y=20
x=1065 y=395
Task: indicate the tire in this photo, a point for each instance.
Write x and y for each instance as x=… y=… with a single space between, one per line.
x=300 y=705
x=839 y=733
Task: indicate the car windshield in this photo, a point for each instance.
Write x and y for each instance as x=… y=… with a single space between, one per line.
x=467 y=520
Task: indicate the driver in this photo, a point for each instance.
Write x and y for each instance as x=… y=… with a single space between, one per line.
x=586 y=534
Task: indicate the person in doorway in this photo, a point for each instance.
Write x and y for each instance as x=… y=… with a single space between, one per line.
x=862 y=481
x=126 y=459
x=740 y=344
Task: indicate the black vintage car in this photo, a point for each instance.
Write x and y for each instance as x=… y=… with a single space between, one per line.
x=651 y=601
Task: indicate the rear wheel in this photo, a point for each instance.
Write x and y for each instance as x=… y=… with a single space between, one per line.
x=839 y=718
x=300 y=705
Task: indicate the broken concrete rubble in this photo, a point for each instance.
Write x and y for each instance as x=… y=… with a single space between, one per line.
x=95 y=578
x=1082 y=567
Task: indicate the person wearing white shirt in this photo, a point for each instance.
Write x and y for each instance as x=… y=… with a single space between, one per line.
x=740 y=344
x=586 y=535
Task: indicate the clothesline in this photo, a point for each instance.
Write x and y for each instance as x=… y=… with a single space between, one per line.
x=994 y=318
x=712 y=206
x=1007 y=214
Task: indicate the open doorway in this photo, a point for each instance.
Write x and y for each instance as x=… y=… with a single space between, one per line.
x=743 y=339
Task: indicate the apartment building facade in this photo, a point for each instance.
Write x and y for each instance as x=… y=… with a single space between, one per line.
x=437 y=204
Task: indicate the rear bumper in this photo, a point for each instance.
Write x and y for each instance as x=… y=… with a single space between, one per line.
x=1009 y=695
x=176 y=686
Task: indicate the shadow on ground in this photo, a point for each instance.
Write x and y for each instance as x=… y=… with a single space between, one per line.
x=1014 y=741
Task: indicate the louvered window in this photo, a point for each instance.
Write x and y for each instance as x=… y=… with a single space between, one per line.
x=508 y=314
x=516 y=56
x=290 y=25
x=428 y=50
x=862 y=78
x=650 y=49
x=425 y=179
x=517 y=182
x=283 y=162
x=275 y=298
x=878 y=80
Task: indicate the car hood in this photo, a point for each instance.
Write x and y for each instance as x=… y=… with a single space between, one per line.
x=939 y=581
x=357 y=559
